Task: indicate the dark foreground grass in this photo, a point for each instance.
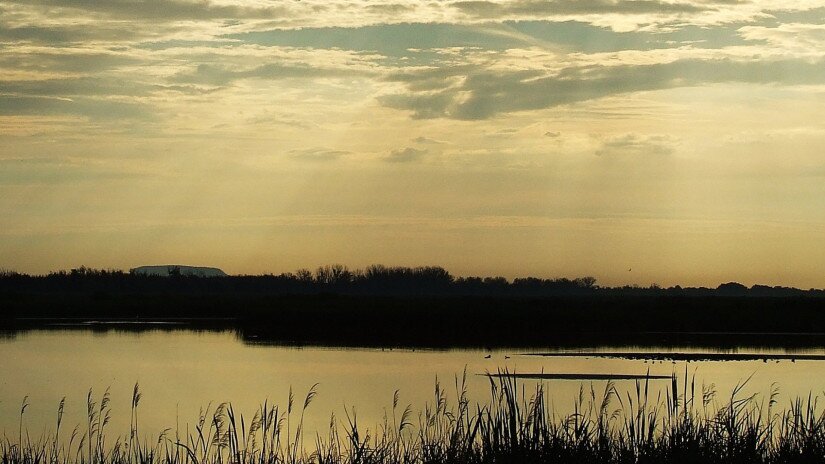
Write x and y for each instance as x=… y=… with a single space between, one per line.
x=682 y=425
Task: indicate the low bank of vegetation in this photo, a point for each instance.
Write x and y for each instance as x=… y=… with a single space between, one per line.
x=373 y=280
x=416 y=307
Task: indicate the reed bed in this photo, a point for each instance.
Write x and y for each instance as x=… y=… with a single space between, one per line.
x=678 y=424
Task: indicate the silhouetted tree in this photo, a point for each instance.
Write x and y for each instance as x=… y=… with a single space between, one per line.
x=304 y=275
x=732 y=289
x=335 y=274
x=586 y=282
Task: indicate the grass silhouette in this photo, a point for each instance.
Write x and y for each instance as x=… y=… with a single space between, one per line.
x=683 y=424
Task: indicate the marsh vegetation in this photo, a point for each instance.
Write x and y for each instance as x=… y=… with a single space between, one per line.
x=686 y=423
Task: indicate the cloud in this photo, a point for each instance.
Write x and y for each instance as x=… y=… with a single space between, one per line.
x=164 y=10
x=394 y=40
x=405 y=155
x=426 y=140
x=806 y=38
x=625 y=15
x=73 y=87
x=89 y=107
x=218 y=75
x=469 y=69
x=389 y=8
x=488 y=9
x=485 y=93
x=62 y=61
x=318 y=154
x=637 y=145
x=36 y=32
x=430 y=40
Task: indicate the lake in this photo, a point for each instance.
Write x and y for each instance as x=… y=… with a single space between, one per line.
x=180 y=372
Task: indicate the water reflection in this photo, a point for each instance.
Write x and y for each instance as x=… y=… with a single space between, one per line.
x=180 y=372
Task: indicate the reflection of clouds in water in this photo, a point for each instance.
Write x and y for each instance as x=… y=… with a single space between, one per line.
x=181 y=372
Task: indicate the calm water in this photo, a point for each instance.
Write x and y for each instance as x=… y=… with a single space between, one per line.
x=181 y=372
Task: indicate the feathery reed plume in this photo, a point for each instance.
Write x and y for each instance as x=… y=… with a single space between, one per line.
x=681 y=423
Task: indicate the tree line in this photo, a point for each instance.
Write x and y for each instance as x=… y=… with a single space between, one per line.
x=372 y=280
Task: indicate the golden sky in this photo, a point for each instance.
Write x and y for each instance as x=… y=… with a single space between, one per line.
x=680 y=139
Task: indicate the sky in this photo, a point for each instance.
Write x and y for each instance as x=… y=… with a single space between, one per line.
x=637 y=141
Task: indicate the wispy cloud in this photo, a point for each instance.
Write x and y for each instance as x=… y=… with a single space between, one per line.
x=95 y=109
x=216 y=75
x=318 y=154
x=637 y=145
x=483 y=93
x=795 y=38
x=427 y=141
x=489 y=9
x=405 y=155
x=165 y=10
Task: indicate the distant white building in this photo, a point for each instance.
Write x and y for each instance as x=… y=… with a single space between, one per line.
x=172 y=269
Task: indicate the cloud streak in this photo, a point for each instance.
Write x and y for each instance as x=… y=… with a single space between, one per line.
x=405 y=155
x=483 y=93
x=637 y=145
x=489 y=9
x=94 y=109
x=165 y=10
x=216 y=75
x=318 y=154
